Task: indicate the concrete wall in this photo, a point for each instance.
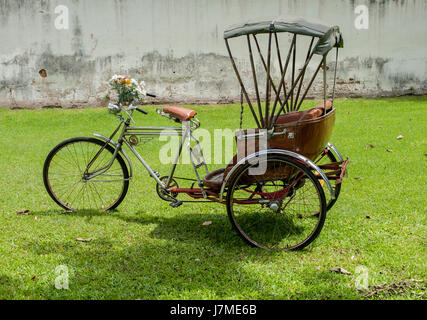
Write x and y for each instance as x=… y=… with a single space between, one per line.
x=177 y=47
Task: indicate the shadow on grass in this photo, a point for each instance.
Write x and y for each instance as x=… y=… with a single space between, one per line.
x=177 y=259
x=182 y=227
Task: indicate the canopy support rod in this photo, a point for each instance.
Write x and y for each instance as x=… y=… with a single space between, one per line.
x=293 y=74
x=241 y=83
x=281 y=70
x=335 y=78
x=292 y=89
x=324 y=84
x=267 y=91
x=264 y=64
x=309 y=85
x=283 y=73
x=302 y=80
x=255 y=81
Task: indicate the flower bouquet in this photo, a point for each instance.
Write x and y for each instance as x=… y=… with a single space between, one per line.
x=128 y=89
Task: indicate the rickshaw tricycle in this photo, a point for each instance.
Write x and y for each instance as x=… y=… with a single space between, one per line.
x=285 y=175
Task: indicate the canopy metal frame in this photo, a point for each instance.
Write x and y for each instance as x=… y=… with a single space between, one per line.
x=293 y=94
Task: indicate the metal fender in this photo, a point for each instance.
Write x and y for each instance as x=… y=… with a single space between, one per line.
x=291 y=154
x=114 y=144
x=330 y=146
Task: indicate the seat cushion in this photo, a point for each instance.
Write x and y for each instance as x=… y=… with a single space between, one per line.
x=329 y=105
x=182 y=114
x=213 y=180
x=310 y=114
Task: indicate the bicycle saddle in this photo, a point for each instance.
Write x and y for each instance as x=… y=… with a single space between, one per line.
x=182 y=114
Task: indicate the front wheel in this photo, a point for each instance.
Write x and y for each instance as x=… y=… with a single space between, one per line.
x=283 y=208
x=78 y=176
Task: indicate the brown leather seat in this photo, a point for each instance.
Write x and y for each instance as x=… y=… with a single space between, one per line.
x=313 y=113
x=182 y=114
x=329 y=105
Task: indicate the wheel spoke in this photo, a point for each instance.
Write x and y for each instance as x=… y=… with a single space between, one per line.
x=278 y=223
x=66 y=181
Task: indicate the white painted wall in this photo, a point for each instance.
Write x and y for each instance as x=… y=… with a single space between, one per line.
x=177 y=47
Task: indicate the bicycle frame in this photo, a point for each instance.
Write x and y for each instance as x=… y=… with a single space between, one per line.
x=185 y=131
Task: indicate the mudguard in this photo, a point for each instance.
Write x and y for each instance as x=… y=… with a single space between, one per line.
x=286 y=153
x=114 y=144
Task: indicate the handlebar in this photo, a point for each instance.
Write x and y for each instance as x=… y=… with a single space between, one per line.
x=140 y=110
x=115 y=109
x=143 y=111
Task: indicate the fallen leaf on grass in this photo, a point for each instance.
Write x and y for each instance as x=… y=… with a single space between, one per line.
x=358 y=178
x=84 y=240
x=395 y=288
x=399 y=138
x=26 y=212
x=340 y=270
x=33 y=278
x=207 y=223
x=389 y=150
x=67 y=211
x=368 y=217
x=369 y=146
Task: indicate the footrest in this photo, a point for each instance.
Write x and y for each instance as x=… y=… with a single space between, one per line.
x=214 y=179
x=335 y=170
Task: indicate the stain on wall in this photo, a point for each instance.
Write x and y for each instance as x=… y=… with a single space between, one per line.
x=177 y=48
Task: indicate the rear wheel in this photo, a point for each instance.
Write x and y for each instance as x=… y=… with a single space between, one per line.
x=67 y=175
x=282 y=209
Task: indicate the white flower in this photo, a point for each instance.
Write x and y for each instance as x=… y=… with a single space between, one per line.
x=133 y=87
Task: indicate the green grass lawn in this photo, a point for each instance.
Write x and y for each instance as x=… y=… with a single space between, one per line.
x=147 y=250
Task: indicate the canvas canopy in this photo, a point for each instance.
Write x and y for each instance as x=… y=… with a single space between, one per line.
x=329 y=36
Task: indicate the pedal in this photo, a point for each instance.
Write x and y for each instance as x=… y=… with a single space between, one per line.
x=176 y=204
